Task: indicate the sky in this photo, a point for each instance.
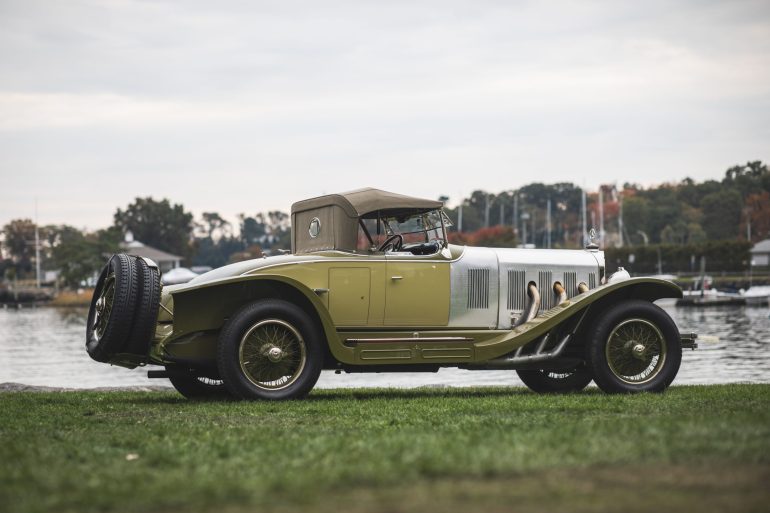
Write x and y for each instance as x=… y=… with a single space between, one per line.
x=243 y=107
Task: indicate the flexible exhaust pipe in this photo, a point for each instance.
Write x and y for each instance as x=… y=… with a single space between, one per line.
x=533 y=305
x=582 y=287
x=560 y=293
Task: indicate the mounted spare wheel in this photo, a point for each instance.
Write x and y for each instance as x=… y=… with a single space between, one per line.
x=123 y=311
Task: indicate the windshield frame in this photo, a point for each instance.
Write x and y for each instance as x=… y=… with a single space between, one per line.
x=430 y=226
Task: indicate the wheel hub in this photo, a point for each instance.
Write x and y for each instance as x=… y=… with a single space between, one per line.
x=274 y=354
x=100 y=305
x=638 y=351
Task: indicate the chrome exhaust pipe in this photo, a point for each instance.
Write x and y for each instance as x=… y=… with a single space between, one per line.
x=519 y=359
x=533 y=305
x=558 y=289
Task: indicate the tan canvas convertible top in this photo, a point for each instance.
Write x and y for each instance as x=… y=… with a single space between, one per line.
x=337 y=217
x=361 y=202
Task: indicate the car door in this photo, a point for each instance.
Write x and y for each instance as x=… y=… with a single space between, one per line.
x=416 y=290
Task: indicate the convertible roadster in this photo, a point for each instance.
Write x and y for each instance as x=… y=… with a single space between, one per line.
x=372 y=285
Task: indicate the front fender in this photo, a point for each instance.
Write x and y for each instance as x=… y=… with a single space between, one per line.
x=649 y=289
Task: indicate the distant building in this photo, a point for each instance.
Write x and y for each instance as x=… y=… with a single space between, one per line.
x=165 y=261
x=760 y=254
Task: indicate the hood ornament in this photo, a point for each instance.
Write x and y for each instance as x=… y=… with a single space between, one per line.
x=592 y=239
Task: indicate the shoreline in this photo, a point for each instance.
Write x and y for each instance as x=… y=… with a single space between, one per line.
x=11 y=387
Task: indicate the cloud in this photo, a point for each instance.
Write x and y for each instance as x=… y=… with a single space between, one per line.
x=421 y=97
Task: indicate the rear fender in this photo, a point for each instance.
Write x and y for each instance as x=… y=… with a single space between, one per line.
x=207 y=307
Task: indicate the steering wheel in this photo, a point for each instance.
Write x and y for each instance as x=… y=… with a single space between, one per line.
x=395 y=242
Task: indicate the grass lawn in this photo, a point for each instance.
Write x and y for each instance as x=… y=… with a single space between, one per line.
x=703 y=448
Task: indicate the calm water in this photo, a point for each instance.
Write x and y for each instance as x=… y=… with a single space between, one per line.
x=45 y=346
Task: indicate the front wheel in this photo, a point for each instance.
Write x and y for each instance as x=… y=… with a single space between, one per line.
x=545 y=381
x=270 y=349
x=634 y=347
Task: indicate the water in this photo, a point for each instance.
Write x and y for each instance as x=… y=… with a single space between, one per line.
x=45 y=346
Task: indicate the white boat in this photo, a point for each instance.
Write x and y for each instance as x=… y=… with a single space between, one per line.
x=758 y=295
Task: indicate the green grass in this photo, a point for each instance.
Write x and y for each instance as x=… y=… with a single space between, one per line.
x=491 y=449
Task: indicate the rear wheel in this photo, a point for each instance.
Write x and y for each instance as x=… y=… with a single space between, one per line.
x=634 y=347
x=270 y=349
x=193 y=386
x=549 y=381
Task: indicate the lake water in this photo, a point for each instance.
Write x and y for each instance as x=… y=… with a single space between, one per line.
x=45 y=346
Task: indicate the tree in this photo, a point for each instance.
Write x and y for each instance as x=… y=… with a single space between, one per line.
x=722 y=214
x=77 y=255
x=251 y=230
x=214 y=226
x=757 y=211
x=20 y=243
x=158 y=224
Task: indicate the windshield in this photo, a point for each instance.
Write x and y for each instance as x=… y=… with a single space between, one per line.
x=417 y=228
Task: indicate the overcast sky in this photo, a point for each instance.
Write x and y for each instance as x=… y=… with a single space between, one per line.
x=249 y=106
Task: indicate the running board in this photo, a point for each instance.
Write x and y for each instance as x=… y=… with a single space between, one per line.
x=519 y=359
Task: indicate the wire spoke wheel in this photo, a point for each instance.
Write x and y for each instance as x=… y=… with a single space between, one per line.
x=104 y=307
x=272 y=354
x=636 y=351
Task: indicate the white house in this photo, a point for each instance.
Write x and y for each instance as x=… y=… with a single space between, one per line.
x=165 y=261
x=760 y=254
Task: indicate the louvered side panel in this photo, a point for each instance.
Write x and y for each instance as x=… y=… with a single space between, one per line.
x=592 y=281
x=478 y=288
x=570 y=283
x=545 y=284
x=517 y=290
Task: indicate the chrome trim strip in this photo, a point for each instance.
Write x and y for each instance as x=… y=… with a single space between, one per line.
x=318 y=258
x=409 y=339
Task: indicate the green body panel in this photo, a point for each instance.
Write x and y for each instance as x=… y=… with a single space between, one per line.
x=370 y=303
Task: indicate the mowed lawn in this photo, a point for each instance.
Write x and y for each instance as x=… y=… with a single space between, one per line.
x=700 y=448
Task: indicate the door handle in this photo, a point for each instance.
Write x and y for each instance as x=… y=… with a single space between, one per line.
x=394 y=278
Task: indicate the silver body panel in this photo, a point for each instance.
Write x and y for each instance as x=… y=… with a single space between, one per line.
x=488 y=285
x=474 y=288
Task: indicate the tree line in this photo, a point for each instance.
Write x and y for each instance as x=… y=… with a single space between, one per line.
x=684 y=214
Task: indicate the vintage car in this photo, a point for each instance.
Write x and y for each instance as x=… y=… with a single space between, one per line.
x=372 y=285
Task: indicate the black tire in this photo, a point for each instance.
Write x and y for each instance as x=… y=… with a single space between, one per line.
x=634 y=336
x=273 y=339
x=146 y=312
x=544 y=381
x=197 y=387
x=109 y=322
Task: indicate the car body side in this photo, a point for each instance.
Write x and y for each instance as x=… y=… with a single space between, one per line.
x=448 y=309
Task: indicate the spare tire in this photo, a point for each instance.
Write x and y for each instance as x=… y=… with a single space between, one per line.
x=124 y=309
x=147 y=304
x=112 y=308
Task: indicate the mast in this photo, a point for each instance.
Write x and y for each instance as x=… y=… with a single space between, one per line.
x=460 y=215
x=534 y=232
x=548 y=224
x=583 y=202
x=620 y=218
x=601 y=217
x=516 y=214
x=37 y=249
x=486 y=211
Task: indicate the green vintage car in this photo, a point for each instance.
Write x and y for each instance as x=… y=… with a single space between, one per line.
x=372 y=285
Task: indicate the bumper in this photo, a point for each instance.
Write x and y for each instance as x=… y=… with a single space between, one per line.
x=688 y=340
